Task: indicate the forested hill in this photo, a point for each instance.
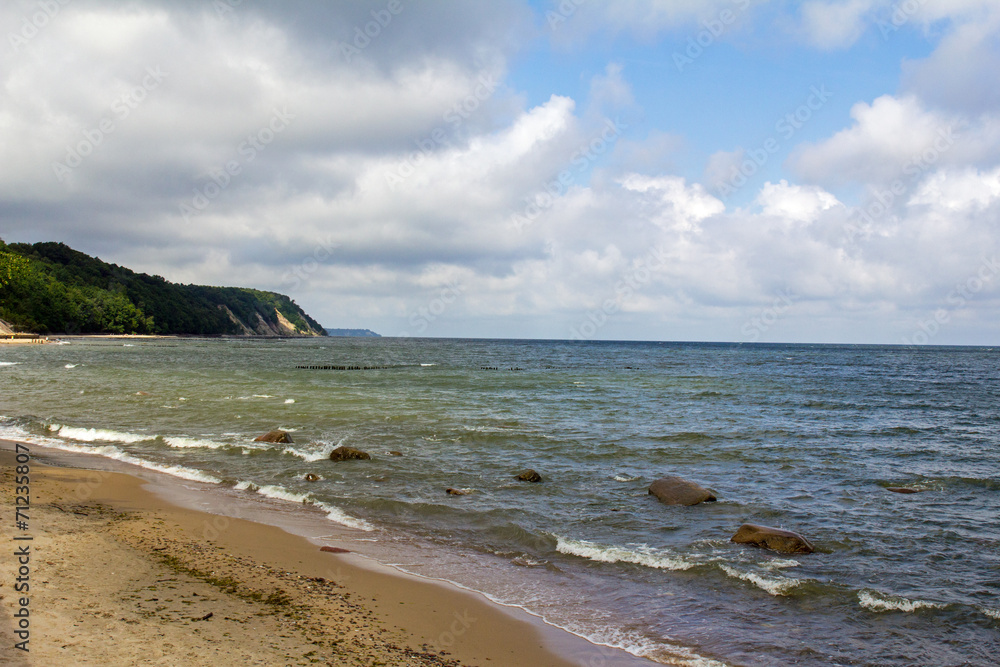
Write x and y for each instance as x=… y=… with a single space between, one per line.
x=49 y=288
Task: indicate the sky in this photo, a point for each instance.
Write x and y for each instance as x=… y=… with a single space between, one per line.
x=825 y=171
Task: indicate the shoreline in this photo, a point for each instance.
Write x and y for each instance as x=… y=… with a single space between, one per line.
x=390 y=615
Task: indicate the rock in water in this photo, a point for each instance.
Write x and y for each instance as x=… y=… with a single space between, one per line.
x=395 y=453
x=777 y=539
x=679 y=491
x=312 y=477
x=902 y=489
x=529 y=475
x=456 y=492
x=347 y=453
x=334 y=550
x=281 y=437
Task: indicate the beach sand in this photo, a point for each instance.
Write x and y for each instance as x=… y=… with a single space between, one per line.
x=119 y=576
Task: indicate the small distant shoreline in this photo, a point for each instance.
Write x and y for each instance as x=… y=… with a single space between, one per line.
x=23 y=339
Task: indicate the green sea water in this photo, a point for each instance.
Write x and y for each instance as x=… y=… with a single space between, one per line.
x=802 y=437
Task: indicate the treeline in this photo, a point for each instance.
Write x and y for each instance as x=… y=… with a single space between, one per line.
x=49 y=288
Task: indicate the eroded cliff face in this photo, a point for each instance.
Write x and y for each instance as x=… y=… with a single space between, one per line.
x=261 y=327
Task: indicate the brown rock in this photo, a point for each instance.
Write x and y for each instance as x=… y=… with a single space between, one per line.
x=902 y=489
x=347 y=453
x=334 y=550
x=679 y=491
x=394 y=453
x=777 y=539
x=312 y=477
x=281 y=437
x=456 y=492
x=529 y=475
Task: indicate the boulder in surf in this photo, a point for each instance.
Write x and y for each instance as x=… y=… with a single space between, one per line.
x=348 y=453
x=775 y=539
x=281 y=437
x=679 y=491
x=529 y=475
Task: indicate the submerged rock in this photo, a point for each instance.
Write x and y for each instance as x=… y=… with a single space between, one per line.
x=334 y=550
x=348 y=453
x=312 y=477
x=395 y=453
x=529 y=475
x=776 y=539
x=902 y=489
x=281 y=437
x=457 y=492
x=678 y=491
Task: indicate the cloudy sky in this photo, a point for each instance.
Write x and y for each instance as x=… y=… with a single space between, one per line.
x=722 y=170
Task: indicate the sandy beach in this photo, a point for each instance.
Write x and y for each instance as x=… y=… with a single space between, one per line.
x=119 y=576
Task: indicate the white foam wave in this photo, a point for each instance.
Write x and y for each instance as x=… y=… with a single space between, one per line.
x=112 y=452
x=992 y=613
x=9 y=363
x=338 y=515
x=779 y=563
x=625 y=478
x=312 y=455
x=289 y=400
x=772 y=586
x=262 y=396
x=874 y=601
x=95 y=434
x=71 y=365
x=193 y=443
x=425 y=365
x=643 y=647
x=638 y=555
x=333 y=513
x=281 y=493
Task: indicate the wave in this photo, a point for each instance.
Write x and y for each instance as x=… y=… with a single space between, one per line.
x=338 y=515
x=774 y=587
x=643 y=647
x=639 y=555
x=97 y=434
x=875 y=601
x=112 y=452
x=313 y=455
x=625 y=478
x=289 y=400
x=281 y=493
x=333 y=513
x=71 y=365
x=193 y=443
x=992 y=613
x=9 y=363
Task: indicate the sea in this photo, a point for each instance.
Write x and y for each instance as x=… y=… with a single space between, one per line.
x=803 y=437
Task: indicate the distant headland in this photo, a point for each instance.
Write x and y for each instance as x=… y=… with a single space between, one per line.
x=353 y=333
x=49 y=288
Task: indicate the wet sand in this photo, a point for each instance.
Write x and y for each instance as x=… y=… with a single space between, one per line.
x=120 y=576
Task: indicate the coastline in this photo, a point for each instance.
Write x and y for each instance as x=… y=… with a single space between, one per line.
x=271 y=595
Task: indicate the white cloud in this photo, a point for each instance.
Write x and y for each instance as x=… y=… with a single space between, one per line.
x=794 y=202
x=835 y=25
x=890 y=138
